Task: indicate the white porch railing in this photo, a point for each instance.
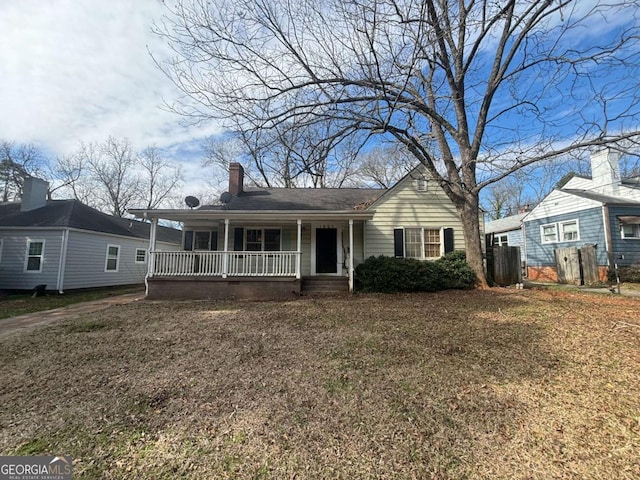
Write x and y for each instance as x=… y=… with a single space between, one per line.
x=212 y=264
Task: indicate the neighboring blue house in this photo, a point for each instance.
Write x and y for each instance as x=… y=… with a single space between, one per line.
x=603 y=210
x=507 y=231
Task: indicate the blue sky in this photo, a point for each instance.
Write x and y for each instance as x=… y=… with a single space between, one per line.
x=74 y=71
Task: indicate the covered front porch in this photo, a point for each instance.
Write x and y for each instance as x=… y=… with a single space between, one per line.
x=254 y=254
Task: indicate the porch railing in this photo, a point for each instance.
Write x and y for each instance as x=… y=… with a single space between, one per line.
x=222 y=264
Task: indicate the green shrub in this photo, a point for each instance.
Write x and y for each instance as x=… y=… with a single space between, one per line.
x=629 y=274
x=391 y=275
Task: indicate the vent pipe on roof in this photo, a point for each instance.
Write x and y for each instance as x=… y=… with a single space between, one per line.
x=34 y=194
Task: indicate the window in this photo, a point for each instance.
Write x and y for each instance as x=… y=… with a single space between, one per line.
x=431 y=242
x=569 y=231
x=113 y=254
x=413 y=242
x=141 y=255
x=549 y=233
x=422 y=243
x=259 y=239
x=200 y=240
x=628 y=230
x=502 y=240
x=35 y=253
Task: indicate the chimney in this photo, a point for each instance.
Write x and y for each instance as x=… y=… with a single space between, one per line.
x=524 y=208
x=236 y=179
x=605 y=172
x=34 y=194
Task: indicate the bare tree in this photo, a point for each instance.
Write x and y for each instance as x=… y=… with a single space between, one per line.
x=160 y=181
x=384 y=165
x=17 y=162
x=474 y=89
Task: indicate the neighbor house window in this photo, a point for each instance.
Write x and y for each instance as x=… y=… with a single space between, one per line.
x=569 y=231
x=628 y=230
x=502 y=240
x=113 y=256
x=141 y=255
x=35 y=253
x=549 y=233
x=262 y=239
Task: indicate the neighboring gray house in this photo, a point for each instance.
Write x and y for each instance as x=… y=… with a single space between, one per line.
x=273 y=242
x=507 y=231
x=68 y=245
x=603 y=210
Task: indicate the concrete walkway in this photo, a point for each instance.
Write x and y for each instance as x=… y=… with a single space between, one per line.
x=11 y=325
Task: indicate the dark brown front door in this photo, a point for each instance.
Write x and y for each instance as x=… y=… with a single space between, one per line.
x=326 y=250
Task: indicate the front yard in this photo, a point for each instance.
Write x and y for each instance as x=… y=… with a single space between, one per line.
x=482 y=384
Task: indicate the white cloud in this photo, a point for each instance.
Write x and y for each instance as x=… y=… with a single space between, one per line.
x=80 y=71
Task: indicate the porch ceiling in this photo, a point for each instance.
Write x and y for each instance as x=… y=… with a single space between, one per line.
x=181 y=215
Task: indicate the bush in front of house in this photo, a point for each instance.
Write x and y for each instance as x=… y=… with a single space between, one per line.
x=629 y=274
x=391 y=275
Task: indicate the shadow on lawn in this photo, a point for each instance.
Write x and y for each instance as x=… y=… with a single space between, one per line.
x=382 y=385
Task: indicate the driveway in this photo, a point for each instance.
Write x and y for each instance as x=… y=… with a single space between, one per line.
x=11 y=325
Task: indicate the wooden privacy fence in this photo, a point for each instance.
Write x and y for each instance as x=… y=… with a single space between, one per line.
x=578 y=266
x=503 y=265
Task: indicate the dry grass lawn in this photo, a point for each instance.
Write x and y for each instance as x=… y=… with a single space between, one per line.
x=463 y=385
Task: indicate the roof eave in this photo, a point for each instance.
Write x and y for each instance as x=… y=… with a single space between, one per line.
x=181 y=215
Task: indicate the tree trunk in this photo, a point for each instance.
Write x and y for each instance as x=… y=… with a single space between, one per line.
x=469 y=215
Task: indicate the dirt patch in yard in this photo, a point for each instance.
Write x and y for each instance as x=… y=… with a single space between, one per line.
x=481 y=384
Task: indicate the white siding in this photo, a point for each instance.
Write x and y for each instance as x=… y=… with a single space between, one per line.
x=559 y=203
x=404 y=206
x=14 y=250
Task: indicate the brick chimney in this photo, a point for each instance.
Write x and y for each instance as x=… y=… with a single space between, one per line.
x=236 y=179
x=34 y=194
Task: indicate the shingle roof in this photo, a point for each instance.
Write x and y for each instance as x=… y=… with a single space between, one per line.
x=598 y=197
x=505 y=224
x=74 y=214
x=301 y=199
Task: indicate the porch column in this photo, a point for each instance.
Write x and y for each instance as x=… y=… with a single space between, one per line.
x=225 y=258
x=152 y=247
x=350 y=255
x=299 y=250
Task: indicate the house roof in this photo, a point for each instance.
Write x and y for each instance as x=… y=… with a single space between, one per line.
x=505 y=224
x=599 y=197
x=300 y=199
x=74 y=214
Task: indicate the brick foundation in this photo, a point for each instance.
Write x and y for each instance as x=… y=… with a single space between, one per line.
x=198 y=288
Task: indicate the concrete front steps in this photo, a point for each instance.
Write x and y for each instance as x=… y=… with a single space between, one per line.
x=324 y=285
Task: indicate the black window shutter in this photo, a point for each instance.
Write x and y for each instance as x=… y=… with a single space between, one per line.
x=188 y=239
x=398 y=242
x=214 y=240
x=448 y=240
x=238 y=239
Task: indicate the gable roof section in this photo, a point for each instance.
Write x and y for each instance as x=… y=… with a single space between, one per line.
x=598 y=197
x=74 y=214
x=300 y=199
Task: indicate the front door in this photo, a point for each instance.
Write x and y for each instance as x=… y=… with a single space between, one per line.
x=326 y=250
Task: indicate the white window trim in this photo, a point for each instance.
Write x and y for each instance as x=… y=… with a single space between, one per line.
x=422 y=229
x=560 y=230
x=501 y=242
x=136 y=257
x=26 y=257
x=106 y=261
x=246 y=229
x=622 y=235
x=542 y=239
